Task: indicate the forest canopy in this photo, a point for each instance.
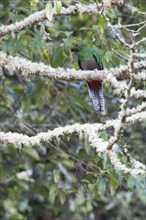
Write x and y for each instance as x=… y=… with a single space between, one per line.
x=60 y=159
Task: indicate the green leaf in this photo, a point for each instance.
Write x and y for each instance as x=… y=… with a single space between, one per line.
x=108 y=55
x=91 y=186
x=62 y=197
x=85 y=181
x=56 y=176
x=49 y=11
x=26 y=105
x=34 y=4
x=57 y=6
x=24 y=175
x=113 y=185
x=138 y=182
x=101 y=186
x=58 y=58
x=87 y=144
x=104 y=135
x=32 y=153
x=104 y=161
x=130 y=182
x=52 y=194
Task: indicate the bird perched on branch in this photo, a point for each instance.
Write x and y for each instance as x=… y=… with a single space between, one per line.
x=89 y=59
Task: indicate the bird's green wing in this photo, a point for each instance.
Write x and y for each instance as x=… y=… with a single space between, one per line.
x=98 y=58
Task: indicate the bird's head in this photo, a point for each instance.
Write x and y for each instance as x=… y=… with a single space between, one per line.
x=76 y=47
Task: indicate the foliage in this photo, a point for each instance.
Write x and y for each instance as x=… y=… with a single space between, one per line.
x=65 y=179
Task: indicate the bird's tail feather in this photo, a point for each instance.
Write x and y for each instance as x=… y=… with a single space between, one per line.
x=97 y=98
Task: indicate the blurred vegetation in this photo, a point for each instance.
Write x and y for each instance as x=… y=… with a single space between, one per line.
x=64 y=179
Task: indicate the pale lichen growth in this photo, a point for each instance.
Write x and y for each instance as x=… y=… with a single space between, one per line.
x=30 y=69
x=92 y=130
x=139 y=169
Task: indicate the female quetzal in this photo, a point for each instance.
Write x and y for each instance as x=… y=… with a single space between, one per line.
x=89 y=59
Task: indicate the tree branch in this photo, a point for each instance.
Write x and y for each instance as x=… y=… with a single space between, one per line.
x=73 y=9
x=30 y=69
x=41 y=16
x=92 y=130
x=20 y=140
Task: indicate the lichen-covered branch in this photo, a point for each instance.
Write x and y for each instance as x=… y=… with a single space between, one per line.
x=134 y=9
x=138 y=108
x=123 y=113
x=92 y=130
x=136 y=169
x=73 y=9
x=30 y=69
x=20 y=139
x=41 y=16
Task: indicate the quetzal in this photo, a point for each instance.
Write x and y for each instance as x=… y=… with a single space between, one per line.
x=89 y=59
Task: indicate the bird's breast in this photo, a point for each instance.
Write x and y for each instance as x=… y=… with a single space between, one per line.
x=89 y=64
